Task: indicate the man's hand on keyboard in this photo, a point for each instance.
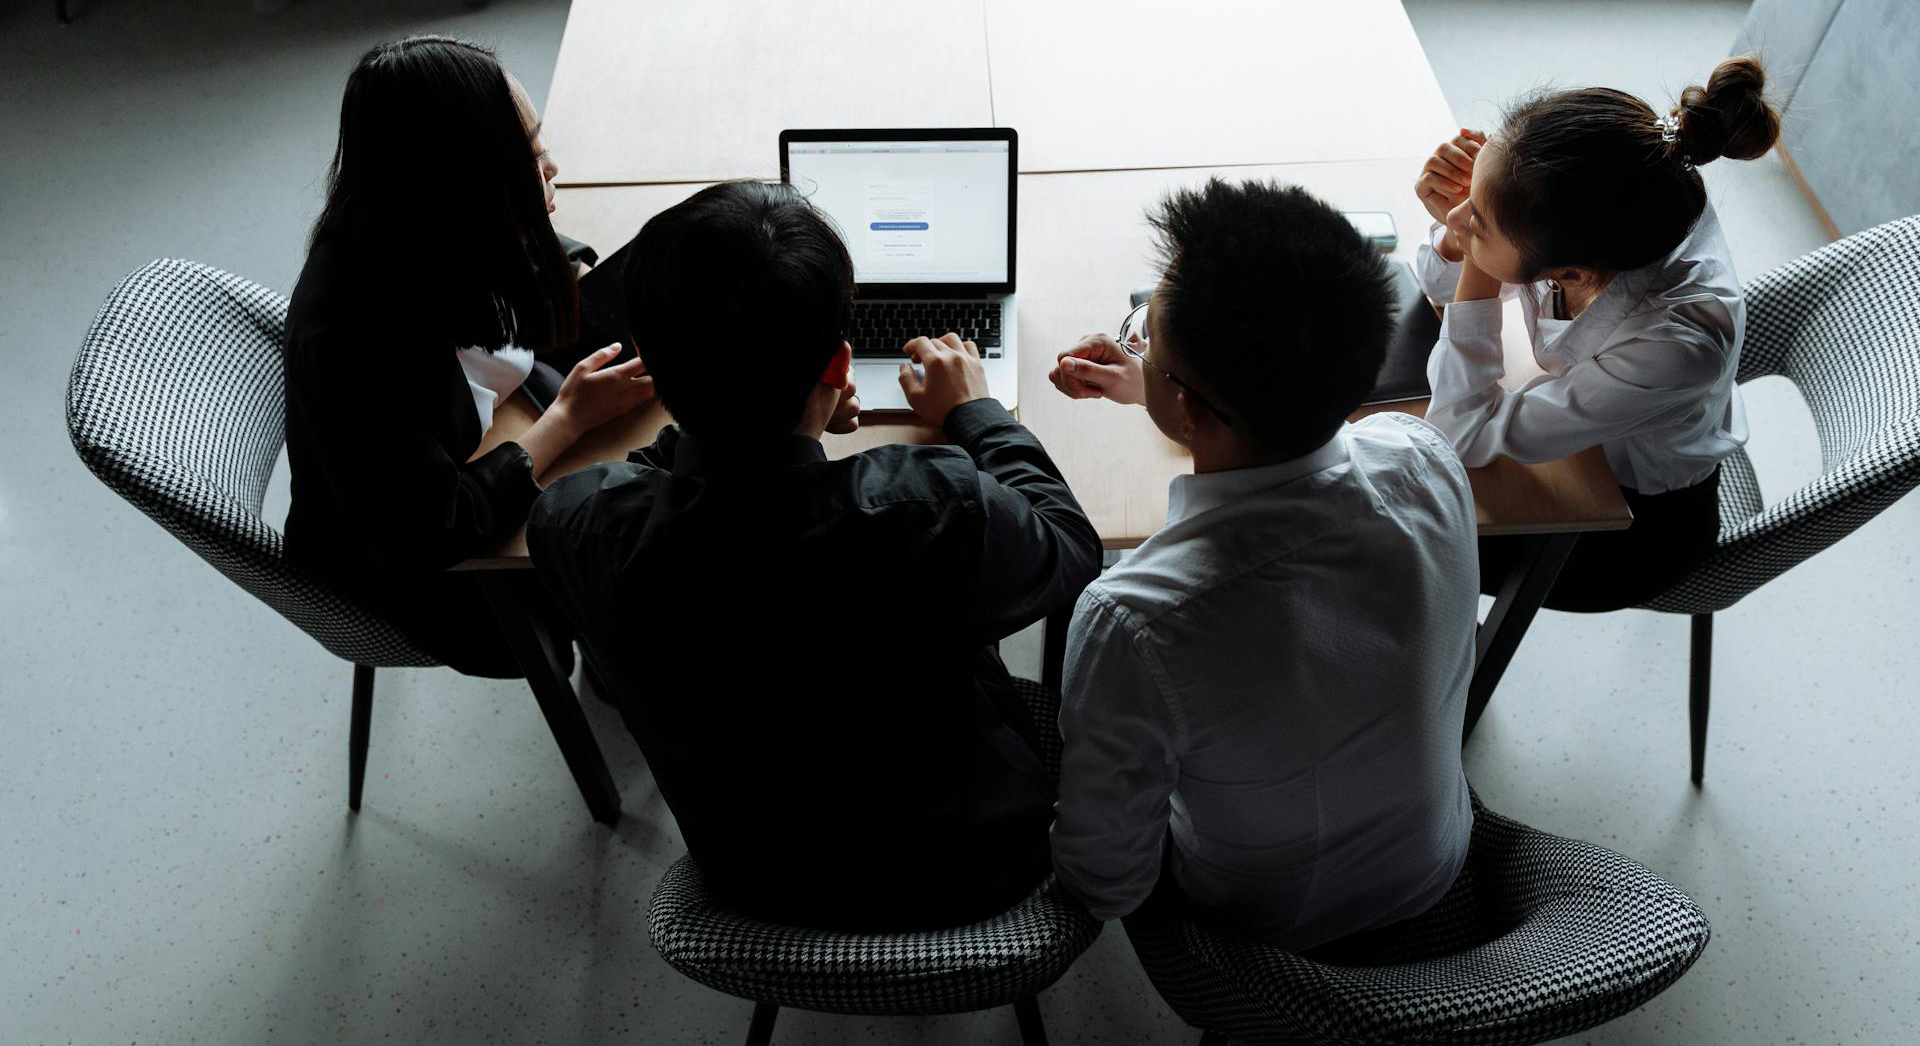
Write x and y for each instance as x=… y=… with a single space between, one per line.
x=950 y=373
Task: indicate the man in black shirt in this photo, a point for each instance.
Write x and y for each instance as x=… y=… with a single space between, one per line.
x=802 y=647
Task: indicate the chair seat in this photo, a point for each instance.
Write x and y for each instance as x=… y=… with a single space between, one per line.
x=1541 y=937
x=987 y=964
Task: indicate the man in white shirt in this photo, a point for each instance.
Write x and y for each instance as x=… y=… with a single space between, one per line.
x=1265 y=698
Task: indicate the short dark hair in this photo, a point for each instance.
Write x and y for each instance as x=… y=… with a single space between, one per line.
x=433 y=161
x=1590 y=178
x=1274 y=305
x=738 y=296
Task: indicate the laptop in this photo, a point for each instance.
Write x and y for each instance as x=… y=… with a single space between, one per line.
x=928 y=216
x=1403 y=374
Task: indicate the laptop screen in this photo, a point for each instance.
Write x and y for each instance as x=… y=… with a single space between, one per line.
x=913 y=211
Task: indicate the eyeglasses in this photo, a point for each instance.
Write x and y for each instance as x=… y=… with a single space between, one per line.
x=1134 y=328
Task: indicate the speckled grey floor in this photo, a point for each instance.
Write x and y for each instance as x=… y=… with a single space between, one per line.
x=179 y=863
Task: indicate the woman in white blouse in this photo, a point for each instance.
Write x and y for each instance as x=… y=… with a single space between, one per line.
x=1587 y=205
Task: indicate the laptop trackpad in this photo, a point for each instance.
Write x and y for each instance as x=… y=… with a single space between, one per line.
x=879 y=386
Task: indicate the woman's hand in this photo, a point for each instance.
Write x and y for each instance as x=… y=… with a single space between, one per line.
x=595 y=393
x=1098 y=367
x=1445 y=180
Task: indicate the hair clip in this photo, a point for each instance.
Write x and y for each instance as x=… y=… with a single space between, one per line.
x=1669 y=128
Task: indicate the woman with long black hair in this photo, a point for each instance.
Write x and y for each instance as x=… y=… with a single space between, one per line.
x=1587 y=204
x=432 y=277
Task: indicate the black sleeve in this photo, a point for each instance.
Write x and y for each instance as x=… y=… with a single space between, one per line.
x=659 y=453
x=1038 y=549
x=378 y=417
x=577 y=251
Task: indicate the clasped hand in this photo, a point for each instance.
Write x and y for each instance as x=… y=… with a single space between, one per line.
x=1097 y=367
x=1445 y=181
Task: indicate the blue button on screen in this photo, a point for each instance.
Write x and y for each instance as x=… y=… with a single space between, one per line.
x=898 y=226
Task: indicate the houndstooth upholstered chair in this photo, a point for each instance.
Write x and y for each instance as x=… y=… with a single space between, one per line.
x=1538 y=938
x=1842 y=324
x=177 y=402
x=1008 y=959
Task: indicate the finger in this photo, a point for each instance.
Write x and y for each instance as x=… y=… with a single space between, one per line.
x=1439 y=169
x=1446 y=174
x=1444 y=189
x=1080 y=390
x=919 y=348
x=1467 y=145
x=972 y=349
x=596 y=359
x=1091 y=375
x=952 y=341
x=1456 y=156
x=1433 y=196
x=631 y=370
x=1089 y=347
x=1478 y=136
x=911 y=383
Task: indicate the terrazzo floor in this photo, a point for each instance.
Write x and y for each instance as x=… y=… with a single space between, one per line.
x=180 y=864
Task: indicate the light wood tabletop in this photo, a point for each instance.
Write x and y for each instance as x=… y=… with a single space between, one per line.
x=690 y=90
x=1203 y=83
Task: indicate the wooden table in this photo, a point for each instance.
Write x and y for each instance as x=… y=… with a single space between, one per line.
x=1115 y=105
x=691 y=90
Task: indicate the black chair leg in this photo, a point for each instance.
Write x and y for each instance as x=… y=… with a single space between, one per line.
x=1033 y=1031
x=1213 y=1038
x=760 y=1032
x=357 y=733
x=1699 y=680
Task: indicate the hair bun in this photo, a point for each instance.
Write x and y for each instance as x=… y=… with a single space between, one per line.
x=1730 y=116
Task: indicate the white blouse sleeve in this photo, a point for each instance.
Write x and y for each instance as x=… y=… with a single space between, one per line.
x=1440 y=278
x=1651 y=379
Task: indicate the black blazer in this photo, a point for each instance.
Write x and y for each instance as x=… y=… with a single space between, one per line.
x=379 y=429
x=802 y=648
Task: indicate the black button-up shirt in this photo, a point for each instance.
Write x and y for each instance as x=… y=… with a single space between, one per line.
x=802 y=648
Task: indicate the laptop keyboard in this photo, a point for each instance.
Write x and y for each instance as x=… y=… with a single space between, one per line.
x=880 y=328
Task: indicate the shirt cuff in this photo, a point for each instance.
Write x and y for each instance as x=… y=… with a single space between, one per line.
x=975 y=418
x=1474 y=325
x=506 y=472
x=1439 y=278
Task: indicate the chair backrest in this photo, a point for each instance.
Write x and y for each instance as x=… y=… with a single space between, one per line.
x=177 y=401
x=1843 y=324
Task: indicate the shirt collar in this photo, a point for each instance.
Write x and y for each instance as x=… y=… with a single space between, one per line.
x=1189 y=496
x=1627 y=290
x=698 y=457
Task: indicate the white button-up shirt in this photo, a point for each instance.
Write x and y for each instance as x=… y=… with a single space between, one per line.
x=1278 y=679
x=493 y=376
x=1646 y=371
